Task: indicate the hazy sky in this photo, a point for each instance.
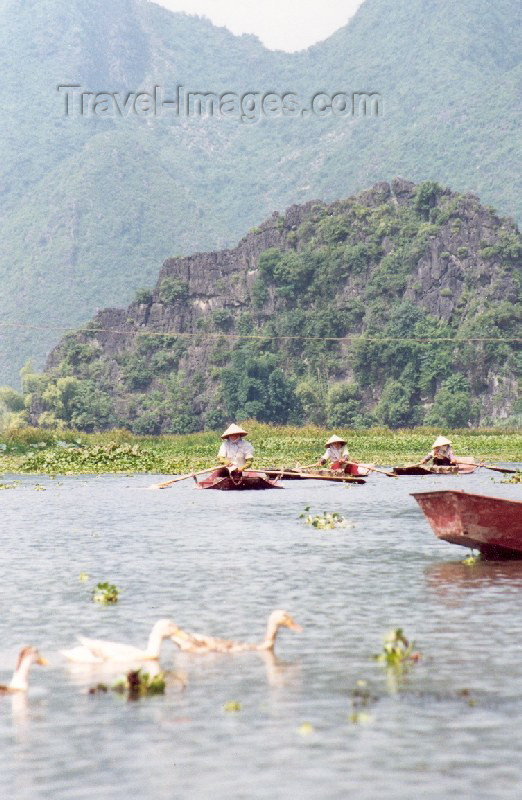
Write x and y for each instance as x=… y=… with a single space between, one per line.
x=280 y=24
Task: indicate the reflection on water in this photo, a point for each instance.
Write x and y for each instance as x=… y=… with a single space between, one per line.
x=19 y=713
x=280 y=673
x=453 y=578
x=222 y=562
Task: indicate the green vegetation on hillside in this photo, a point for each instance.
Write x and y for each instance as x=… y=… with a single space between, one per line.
x=369 y=312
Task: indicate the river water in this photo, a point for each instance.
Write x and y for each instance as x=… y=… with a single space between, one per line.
x=218 y=563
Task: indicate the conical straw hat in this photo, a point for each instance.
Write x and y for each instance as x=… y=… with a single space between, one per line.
x=440 y=441
x=231 y=430
x=335 y=440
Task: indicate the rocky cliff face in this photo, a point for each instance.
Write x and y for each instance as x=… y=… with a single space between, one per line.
x=393 y=262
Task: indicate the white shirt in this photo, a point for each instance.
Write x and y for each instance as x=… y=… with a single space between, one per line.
x=236 y=452
x=444 y=451
x=335 y=453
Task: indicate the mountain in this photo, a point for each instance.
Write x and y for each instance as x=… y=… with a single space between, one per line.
x=90 y=206
x=397 y=306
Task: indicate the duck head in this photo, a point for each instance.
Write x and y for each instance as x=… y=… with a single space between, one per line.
x=30 y=655
x=282 y=619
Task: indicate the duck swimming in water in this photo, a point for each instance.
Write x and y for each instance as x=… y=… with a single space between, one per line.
x=197 y=643
x=20 y=681
x=100 y=651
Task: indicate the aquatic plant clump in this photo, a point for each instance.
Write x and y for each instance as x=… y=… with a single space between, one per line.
x=111 y=457
x=140 y=684
x=135 y=684
x=326 y=521
x=516 y=478
x=105 y=593
x=472 y=559
x=232 y=706
x=397 y=650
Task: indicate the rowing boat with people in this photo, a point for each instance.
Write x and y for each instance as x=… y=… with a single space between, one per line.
x=462 y=468
x=226 y=481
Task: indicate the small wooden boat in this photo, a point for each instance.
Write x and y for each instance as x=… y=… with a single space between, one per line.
x=238 y=483
x=492 y=525
x=308 y=475
x=464 y=467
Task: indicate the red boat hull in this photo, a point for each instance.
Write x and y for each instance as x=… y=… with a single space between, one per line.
x=489 y=524
x=415 y=469
x=244 y=482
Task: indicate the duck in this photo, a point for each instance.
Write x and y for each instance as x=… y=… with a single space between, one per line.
x=197 y=643
x=100 y=651
x=20 y=681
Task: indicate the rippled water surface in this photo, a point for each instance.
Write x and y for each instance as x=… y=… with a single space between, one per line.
x=218 y=563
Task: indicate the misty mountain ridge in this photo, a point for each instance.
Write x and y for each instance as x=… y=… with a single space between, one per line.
x=92 y=206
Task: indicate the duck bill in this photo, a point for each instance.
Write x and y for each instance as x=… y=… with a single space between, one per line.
x=42 y=661
x=294 y=626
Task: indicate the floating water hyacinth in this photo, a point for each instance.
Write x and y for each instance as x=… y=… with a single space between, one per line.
x=327 y=521
x=105 y=593
x=397 y=650
x=135 y=684
x=140 y=684
x=516 y=478
x=100 y=688
x=361 y=718
x=232 y=706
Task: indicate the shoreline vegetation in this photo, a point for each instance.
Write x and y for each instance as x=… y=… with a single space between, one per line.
x=66 y=452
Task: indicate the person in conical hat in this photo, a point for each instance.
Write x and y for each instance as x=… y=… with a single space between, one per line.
x=235 y=453
x=235 y=431
x=441 y=453
x=336 y=453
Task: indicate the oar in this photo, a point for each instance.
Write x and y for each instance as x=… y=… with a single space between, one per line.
x=382 y=471
x=183 y=478
x=372 y=469
x=507 y=470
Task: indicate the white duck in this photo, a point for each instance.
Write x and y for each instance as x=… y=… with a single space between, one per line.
x=99 y=651
x=197 y=643
x=20 y=680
